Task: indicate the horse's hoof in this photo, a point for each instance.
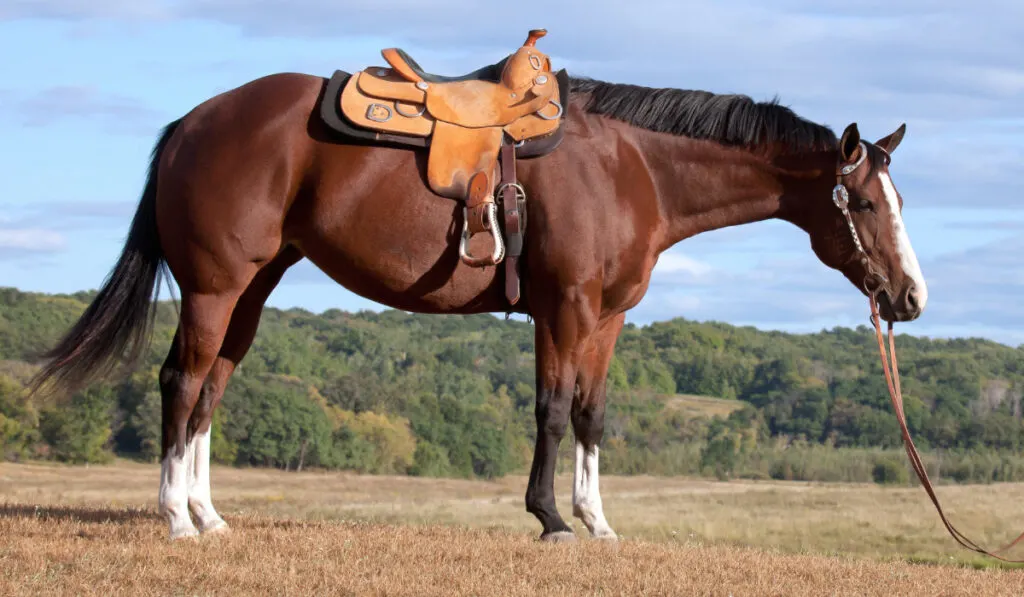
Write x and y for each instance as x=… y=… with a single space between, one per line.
x=559 y=537
x=603 y=532
x=217 y=528
x=182 y=534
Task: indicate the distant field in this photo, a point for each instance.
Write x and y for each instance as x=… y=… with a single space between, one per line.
x=702 y=405
x=78 y=530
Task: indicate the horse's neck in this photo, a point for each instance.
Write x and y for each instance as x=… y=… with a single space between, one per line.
x=703 y=186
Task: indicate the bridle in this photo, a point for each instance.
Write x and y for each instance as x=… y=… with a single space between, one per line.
x=841 y=197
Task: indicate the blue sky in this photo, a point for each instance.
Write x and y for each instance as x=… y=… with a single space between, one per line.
x=85 y=86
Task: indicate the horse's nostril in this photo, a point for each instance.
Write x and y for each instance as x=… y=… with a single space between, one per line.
x=912 y=299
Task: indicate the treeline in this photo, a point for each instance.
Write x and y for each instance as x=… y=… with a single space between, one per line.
x=437 y=395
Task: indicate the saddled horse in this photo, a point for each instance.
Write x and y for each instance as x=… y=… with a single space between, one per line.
x=251 y=181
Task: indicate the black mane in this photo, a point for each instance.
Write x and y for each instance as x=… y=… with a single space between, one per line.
x=728 y=119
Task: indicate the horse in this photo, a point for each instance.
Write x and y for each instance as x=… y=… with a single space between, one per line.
x=251 y=181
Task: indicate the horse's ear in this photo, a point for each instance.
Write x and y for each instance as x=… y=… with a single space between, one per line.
x=849 y=143
x=890 y=143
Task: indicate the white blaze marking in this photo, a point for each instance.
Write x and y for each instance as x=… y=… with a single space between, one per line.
x=586 y=497
x=907 y=257
x=199 y=484
x=174 y=472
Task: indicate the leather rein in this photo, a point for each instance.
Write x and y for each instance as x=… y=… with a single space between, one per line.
x=841 y=198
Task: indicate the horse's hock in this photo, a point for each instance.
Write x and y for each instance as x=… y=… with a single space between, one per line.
x=465 y=121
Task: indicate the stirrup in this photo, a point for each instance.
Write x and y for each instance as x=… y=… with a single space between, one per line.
x=490 y=216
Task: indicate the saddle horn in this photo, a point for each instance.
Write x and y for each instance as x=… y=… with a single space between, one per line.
x=535 y=34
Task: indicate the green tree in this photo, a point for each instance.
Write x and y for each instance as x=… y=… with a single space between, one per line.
x=18 y=421
x=374 y=443
x=278 y=425
x=79 y=431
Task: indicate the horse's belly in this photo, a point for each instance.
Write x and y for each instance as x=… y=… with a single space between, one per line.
x=405 y=256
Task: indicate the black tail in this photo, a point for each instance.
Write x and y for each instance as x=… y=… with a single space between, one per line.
x=116 y=326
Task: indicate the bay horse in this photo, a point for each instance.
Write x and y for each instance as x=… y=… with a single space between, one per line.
x=251 y=181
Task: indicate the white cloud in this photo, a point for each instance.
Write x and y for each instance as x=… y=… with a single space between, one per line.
x=31 y=240
x=117 y=114
x=57 y=216
x=77 y=10
x=670 y=263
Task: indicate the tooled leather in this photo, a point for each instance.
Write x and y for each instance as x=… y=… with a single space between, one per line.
x=355 y=105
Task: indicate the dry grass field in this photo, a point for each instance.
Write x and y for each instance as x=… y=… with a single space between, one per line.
x=94 y=531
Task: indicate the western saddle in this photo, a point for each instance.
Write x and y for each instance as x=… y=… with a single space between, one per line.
x=509 y=109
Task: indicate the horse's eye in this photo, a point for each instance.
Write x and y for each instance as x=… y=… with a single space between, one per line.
x=865 y=205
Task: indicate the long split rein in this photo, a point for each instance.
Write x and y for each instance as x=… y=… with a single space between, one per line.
x=892 y=378
x=840 y=197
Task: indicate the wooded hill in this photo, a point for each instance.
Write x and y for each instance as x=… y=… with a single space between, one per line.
x=439 y=395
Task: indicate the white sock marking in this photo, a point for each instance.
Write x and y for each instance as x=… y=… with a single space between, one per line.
x=908 y=259
x=586 y=496
x=173 y=497
x=199 y=495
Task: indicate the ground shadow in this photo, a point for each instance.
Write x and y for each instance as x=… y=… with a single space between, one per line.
x=77 y=513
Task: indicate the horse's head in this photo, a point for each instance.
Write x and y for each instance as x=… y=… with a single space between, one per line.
x=860 y=232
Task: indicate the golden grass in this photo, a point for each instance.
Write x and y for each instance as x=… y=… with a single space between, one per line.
x=268 y=556
x=78 y=530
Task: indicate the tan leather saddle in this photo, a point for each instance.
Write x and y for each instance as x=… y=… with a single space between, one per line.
x=510 y=109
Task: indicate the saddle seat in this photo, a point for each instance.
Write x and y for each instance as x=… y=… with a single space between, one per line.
x=408 y=68
x=512 y=107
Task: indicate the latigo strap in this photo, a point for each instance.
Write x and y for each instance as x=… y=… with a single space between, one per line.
x=513 y=221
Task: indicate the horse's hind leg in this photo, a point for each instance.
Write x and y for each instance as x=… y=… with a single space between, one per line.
x=240 y=334
x=588 y=425
x=204 y=319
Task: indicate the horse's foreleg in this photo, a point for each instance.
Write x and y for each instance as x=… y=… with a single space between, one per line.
x=559 y=344
x=588 y=426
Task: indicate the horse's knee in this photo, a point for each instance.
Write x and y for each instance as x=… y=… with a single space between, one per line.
x=555 y=428
x=553 y=415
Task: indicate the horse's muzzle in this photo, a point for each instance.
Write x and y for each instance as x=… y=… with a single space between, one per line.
x=906 y=306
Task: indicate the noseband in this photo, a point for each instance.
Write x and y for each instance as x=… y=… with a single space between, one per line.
x=841 y=197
